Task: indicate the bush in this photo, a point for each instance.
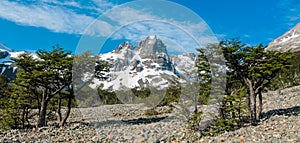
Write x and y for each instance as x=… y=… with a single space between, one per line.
x=136 y=95
x=233 y=109
x=172 y=95
x=195 y=120
x=108 y=97
x=151 y=112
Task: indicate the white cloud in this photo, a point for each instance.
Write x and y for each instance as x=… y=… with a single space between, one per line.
x=221 y=36
x=290 y=9
x=73 y=17
x=246 y=35
x=98 y=6
x=125 y=15
x=102 y=5
x=99 y=28
x=175 y=36
x=293 y=18
x=50 y=17
x=71 y=3
x=57 y=16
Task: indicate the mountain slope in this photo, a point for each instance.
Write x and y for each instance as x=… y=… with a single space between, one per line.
x=7 y=67
x=288 y=41
x=144 y=65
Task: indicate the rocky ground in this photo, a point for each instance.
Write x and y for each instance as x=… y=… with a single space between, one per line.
x=128 y=123
x=281 y=121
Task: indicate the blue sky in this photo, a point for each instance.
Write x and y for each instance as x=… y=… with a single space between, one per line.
x=40 y=24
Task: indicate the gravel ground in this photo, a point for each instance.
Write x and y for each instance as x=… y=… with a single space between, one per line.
x=281 y=122
x=127 y=123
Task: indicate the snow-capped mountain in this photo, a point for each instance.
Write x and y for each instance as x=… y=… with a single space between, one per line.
x=288 y=41
x=6 y=67
x=147 y=64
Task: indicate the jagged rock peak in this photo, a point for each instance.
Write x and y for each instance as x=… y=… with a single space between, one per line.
x=125 y=45
x=152 y=46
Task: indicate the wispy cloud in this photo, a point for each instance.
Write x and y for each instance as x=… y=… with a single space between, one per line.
x=74 y=17
x=246 y=36
x=290 y=9
x=136 y=24
x=178 y=36
x=54 y=18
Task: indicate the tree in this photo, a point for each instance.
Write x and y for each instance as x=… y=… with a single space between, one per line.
x=255 y=67
x=85 y=69
x=210 y=81
x=204 y=76
x=3 y=84
x=50 y=74
x=16 y=106
x=288 y=77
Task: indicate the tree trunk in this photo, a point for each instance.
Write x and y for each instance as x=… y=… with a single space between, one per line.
x=39 y=103
x=252 y=105
x=59 y=109
x=43 y=112
x=195 y=101
x=64 y=120
x=239 y=114
x=23 y=117
x=259 y=115
x=38 y=100
x=26 y=116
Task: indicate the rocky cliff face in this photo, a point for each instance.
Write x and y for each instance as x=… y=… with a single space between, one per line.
x=288 y=41
x=6 y=67
x=153 y=51
x=150 y=53
x=120 y=57
x=151 y=47
x=147 y=64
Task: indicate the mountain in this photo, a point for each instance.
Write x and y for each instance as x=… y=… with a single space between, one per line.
x=7 y=67
x=144 y=65
x=288 y=41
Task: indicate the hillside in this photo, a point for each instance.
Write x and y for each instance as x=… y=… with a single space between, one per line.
x=288 y=41
x=127 y=123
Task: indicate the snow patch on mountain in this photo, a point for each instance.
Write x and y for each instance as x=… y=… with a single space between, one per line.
x=293 y=35
x=7 y=67
x=288 y=41
x=145 y=65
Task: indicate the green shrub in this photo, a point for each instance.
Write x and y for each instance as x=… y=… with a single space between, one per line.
x=151 y=112
x=172 y=95
x=108 y=97
x=195 y=120
x=233 y=109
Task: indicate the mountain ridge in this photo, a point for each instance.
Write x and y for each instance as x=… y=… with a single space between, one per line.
x=146 y=64
x=290 y=40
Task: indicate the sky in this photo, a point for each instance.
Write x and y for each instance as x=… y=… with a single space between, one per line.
x=101 y=25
